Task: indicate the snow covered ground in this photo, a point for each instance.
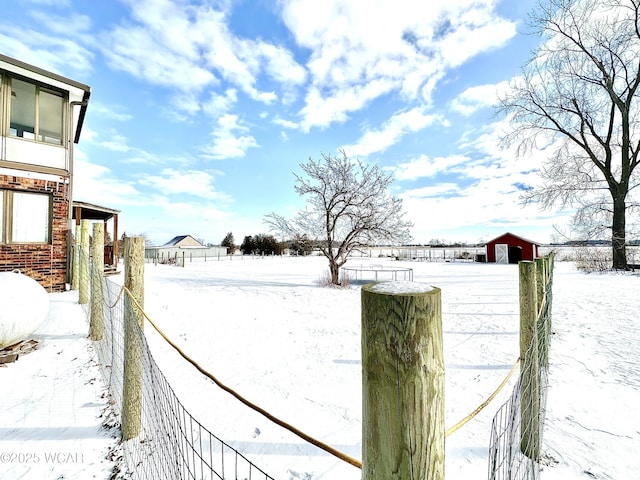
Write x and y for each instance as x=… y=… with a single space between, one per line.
x=54 y=404
x=593 y=415
x=265 y=328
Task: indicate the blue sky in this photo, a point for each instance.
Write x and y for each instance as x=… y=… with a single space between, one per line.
x=201 y=111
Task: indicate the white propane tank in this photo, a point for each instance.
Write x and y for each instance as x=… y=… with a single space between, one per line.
x=25 y=305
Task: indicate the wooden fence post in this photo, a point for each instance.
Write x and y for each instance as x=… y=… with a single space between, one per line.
x=75 y=274
x=83 y=290
x=549 y=262
x=402 y=382
x=97 y=274
x=543 y=330
x=529 y=367
x=133 y=327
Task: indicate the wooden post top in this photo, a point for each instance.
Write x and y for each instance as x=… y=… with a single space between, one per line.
x=399 y=288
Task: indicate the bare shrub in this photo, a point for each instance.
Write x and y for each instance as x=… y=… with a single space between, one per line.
x=324 y=280
x=590 y=259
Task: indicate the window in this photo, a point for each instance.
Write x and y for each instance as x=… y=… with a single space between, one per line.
x=36 y=113
x=26 y=217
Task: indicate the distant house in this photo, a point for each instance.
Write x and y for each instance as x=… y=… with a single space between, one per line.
x=41 y=117
x=182 y=241
x=510 y=248
x=183 y=246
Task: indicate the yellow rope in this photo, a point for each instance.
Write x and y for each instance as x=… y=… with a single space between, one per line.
x=466 y=419
x=117 y=299
x=304 y=436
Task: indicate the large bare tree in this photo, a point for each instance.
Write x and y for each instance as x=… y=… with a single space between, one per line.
x=579 y=93
x=348 y=207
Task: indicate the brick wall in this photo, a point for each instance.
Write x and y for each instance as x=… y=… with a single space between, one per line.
x=45 y=263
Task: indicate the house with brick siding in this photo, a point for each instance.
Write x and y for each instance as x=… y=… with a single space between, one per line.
x=41 y=117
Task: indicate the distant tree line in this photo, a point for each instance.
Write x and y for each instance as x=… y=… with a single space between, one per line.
x=301 y=245
x=263 y=244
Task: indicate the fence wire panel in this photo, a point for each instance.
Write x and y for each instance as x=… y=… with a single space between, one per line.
x=171 y=443
x=516 y=431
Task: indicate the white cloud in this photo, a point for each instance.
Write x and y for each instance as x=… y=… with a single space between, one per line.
x=60 y=55
x=475 y=98
x=495 y=157
x=228 y=140
x=280 y=65
x=68 y=25
x=433 y=191
x=191 y=210
x=88 y=134
x=391 y=132
x=286 y=123
x=112 y=112
x=117 y=143
x=187 y=104
x=149 y=205
x=97 y=184
x=484 y=204
x=357 y=57
x=159 y=218
x=218 y=105
x=192 y=182
x=486 y=194
x=425 y=167
x=150 y=55
x=322 y=111
x=165 y=39
x=473 y=32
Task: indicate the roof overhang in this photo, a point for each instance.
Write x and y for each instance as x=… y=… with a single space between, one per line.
x=79 y=93
x=89 y=211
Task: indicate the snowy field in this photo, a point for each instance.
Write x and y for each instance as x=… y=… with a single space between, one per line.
x=266 y=329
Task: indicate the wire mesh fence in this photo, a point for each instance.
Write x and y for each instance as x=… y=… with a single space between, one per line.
x=516 y=431
x=169 y=442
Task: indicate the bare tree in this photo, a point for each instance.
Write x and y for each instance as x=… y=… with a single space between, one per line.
x=579 y=93
x=348 y=206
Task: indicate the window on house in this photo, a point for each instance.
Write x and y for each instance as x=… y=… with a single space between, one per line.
x=26 y=217
x=36 y=113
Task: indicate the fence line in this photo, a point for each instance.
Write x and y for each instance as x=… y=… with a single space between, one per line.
x=516 y=431
x=172 y=444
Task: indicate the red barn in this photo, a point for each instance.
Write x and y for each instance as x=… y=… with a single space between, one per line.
x=510 y=248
